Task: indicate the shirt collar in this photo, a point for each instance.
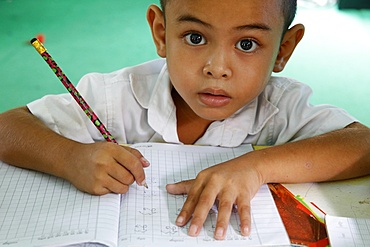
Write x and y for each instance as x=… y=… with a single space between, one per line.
x=234 y=130
x=153 y=92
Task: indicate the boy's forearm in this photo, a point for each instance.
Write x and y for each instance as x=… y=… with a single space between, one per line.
x=26 y=142
x=337 y=155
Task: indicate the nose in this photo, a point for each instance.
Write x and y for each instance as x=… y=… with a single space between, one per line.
x=217 y=66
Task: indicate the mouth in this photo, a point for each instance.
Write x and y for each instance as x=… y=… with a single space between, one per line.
x=214 y=97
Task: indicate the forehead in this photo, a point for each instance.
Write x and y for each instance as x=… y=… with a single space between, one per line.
x=231 y=13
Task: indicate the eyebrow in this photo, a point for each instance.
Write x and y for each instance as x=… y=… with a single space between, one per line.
x=252 y=26
x=190 y=18
x=257 y=26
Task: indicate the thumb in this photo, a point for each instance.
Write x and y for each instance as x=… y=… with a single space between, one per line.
x=182 y=187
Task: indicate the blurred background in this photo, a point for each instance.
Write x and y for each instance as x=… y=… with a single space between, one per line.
x=105 y=35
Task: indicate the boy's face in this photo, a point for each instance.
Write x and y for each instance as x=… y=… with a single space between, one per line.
x=220 y=54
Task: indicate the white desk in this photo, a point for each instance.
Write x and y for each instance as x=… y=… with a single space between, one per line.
x=348 y=198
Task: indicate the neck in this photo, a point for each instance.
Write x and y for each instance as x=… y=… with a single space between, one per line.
x=190 y=127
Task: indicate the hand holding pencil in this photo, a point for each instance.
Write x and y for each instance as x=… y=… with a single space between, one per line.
x=131 y=160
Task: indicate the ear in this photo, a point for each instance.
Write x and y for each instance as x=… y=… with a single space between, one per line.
x=290 y=41
x=156 y=22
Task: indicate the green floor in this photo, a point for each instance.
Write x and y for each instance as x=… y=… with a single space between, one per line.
x=101 y=36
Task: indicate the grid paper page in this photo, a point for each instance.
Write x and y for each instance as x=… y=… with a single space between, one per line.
x=348 y=232
x=148 y=215
x=38 y=209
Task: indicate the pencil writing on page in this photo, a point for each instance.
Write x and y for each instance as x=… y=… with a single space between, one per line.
x=73 y=91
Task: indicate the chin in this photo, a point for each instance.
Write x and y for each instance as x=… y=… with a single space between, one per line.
x=213 y=115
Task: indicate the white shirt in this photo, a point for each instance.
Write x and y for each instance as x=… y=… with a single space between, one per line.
x=135 y=105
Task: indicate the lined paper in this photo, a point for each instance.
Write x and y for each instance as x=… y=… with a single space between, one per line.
x=148 y=215
x=37 y=209
x=347 y=232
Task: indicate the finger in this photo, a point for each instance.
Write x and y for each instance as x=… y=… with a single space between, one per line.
x=225 y=206
x=115 y=186
x=200 y=204
x=97 y=190
x=193 y=191
x=121 y=174
x=107 y=184
x=100 y=191
x=137 y=153
x=133 y=164
x=179 y=188
x=244 y=211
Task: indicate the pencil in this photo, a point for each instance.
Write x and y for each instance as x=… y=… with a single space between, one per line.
x=72 y=90
x=40 y=48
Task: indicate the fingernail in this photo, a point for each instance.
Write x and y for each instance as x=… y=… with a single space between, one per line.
x=245 y=231
x=144 y=161
x=219 y=232
x=193 y=230
x=180 y=220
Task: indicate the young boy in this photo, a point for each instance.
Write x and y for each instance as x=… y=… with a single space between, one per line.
x=214 y=87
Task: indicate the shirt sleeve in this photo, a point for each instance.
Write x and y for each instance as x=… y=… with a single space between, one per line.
x=62 y=114
x=298 y=119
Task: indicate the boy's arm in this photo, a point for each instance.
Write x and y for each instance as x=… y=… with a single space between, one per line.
x=96 y=168
x=336 y=155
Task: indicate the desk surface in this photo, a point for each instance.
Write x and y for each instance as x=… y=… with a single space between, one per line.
x=347 y=198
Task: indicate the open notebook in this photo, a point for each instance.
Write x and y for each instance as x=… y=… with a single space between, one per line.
x=345 y=231
x=37 y=209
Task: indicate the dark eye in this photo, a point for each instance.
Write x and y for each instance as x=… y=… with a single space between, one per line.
x=247 y=45
x=195 y=39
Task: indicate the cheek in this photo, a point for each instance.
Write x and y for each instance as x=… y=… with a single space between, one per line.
x=261 y=70
x=251 y=81
x=181 y=57
x=248 y=92
x=178 y=76
x=183 y=70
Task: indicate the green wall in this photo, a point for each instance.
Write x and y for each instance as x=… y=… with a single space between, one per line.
x=104 y=35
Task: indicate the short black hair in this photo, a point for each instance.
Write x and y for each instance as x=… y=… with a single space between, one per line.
x=289 y=8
